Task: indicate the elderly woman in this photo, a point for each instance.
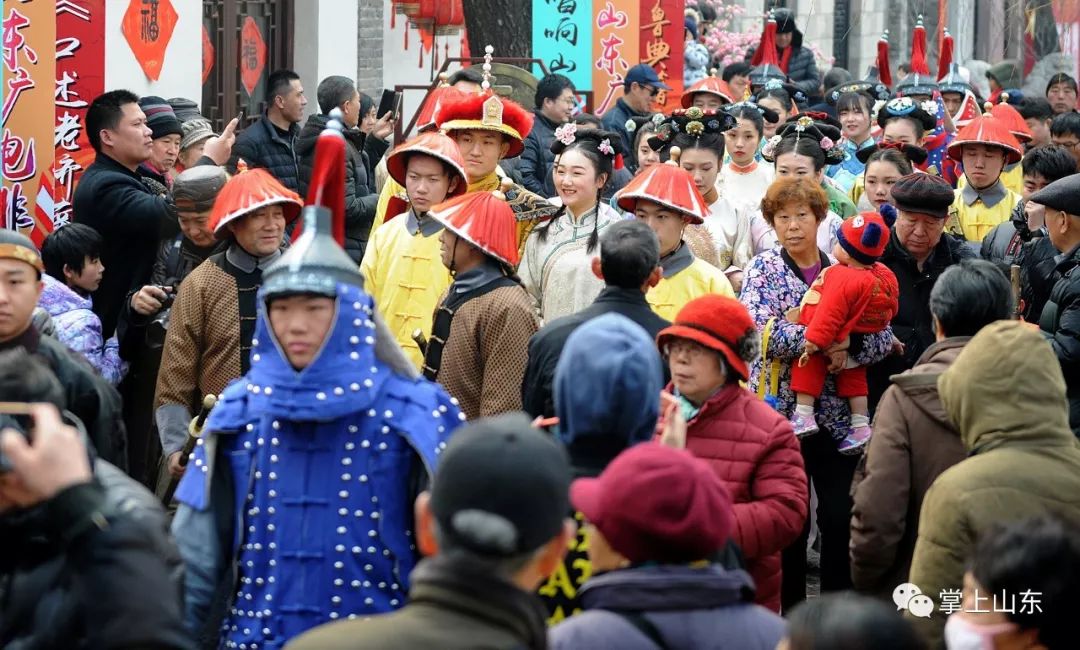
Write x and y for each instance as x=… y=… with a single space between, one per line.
x=775 y=284
x=749 y=445
x=918 y=253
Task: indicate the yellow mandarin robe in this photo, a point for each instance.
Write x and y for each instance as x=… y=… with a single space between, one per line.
x=696 y=280
x=975 y=220
x=405 y=275
x=529 y=208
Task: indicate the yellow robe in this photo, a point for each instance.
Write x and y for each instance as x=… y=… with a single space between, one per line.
x=529 y=208
x=405 y=275
x=975 y=221
x=696 y=280
x=1012 y=179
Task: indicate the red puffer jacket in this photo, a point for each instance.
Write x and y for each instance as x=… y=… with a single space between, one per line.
x=752 y=448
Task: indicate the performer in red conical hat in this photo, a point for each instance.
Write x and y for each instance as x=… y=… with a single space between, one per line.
x=479 y=247
x=985 y=147
x=710 y=93
x=401 y=266
x=666 y=199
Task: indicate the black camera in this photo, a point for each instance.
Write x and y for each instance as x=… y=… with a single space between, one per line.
x=159 y=326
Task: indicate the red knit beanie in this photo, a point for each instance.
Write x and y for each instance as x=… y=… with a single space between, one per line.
x=864 y=237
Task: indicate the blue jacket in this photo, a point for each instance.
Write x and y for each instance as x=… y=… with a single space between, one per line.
x=312 y=476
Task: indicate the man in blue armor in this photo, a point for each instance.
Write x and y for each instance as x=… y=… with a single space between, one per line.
x=297 y=505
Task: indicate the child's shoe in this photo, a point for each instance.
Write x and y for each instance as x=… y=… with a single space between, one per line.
x=804 y=425
x=854 y=442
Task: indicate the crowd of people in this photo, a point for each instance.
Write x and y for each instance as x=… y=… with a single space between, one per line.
x=796 y=365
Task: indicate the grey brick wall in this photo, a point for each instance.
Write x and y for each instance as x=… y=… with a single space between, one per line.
x=370 y=48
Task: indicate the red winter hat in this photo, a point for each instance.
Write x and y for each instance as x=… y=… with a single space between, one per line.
x=1010 y=116
x=864 y=237
x=485 y=220
x=711 y=85
x=488 y=112
x=719 y=323
x=659 y=504
x=670 y=186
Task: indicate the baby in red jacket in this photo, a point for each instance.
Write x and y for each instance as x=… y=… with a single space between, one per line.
x=857 y=295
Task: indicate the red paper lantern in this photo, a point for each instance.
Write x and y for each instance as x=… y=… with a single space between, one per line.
x=424 y=17
x=449 y=18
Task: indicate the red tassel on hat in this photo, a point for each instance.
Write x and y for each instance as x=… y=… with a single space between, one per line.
x=945 y=60
x=884 y=72
x=619 y=164
x=918 y=49
x=766 y=50
x=327 y=187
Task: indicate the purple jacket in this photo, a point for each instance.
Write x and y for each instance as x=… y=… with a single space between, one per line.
x=708 y=608
x=79 y=328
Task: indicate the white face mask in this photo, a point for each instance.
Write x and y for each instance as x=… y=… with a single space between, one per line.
x=962 y=634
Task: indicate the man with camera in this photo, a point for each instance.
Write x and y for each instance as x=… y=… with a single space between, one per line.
x=87 y=559
x=144 y=319
x=212 y=322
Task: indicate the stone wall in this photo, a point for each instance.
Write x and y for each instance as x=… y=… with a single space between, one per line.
x=369 y=68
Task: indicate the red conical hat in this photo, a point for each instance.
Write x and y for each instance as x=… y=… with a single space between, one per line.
x=711 y=85
x=485 y=220
x=488 y=112
x=438 y=98
x=1010 y=116
x=988 y=130
x=434 y=144
x=668 y=185
x=247 y=191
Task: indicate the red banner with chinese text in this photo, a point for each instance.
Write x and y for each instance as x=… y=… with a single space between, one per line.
x=80 y=76
x=615 y=48
x=662 y=45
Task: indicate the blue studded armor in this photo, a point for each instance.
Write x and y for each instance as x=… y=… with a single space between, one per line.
x=321 y=462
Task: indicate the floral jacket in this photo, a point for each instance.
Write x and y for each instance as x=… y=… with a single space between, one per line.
x=772 y=285
x=79 y=328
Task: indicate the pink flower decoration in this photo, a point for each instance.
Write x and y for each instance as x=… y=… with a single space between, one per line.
x=566 y=133
x=827 y=143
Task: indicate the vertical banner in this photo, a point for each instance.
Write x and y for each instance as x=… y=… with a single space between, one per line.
x=662 y=46
x=563 y=38
x=615 y=44
x=80 y=76
x=29 y=69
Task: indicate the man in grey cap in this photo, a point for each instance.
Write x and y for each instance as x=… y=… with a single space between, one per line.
x=87 y=395
x=1060 y=319
x=493 y=526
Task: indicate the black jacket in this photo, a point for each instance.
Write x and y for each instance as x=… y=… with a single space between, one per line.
x=259 y=145
x=547 y=345
x=114 y=201
x=913 y=324
x=67 y=582
x=360 y=195
x=1038 y=274
x=1060 y=323
x=615 y=119
x=537 y=159
x=92 y=399
x=802 y=69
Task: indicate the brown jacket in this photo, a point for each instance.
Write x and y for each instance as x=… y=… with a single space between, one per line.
x=913 y=443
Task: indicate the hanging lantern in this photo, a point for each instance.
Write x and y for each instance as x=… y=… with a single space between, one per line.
x=449 y=18
x=424 y=17
x=405 y=7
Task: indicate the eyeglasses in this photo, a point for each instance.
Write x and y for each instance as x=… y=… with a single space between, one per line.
x=683 y=348
x=1070 y=145
x=653 y=91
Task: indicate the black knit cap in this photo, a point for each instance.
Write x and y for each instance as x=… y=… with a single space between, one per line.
x=923 y=193
x=502 y=487
x=785 y=21
x=1063 y=194
x=160 y=117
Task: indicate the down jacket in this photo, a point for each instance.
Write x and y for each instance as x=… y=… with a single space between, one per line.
x=1060 y=322
x=754 y=451
x=802 y=68
x=360 y=196
x=913 y=443
x=259 y=145
x=1023 y=461
x=79 y=328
